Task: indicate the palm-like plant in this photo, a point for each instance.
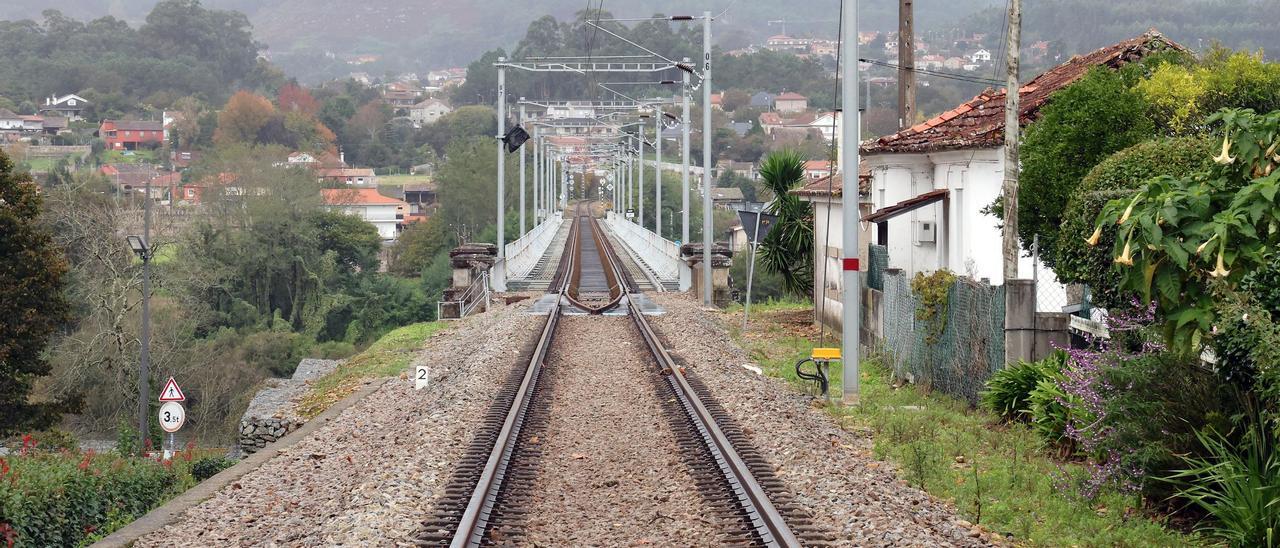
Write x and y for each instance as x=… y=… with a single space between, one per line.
x=788 y=249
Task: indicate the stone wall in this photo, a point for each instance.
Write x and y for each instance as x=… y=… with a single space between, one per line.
x=272 y=413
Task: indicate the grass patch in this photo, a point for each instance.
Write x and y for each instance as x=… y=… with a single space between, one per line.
x=128 y=156
x=387 y=357
x=999 y=476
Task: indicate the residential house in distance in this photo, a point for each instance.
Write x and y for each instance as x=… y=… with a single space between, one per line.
x=727 y=197
x=428 y=111
x=931 y=183
x=10 y=121
x=817 y=169
x=980 y=56
x=421 y=199
x=762 y=99
x=717 y=101
x=349 y=176
x=790 y=102
x=824 y=123
x=69 y=106
x=131 y=135
x=384 y=213
x=782 y=42
x=742 y=169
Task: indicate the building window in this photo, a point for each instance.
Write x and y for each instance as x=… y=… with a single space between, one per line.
x=191 y=193
x=128 y=133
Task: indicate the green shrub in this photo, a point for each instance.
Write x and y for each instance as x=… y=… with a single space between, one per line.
x=1238 y=485
x=49 y=441
x=1052 y=409
x=205 y=468
x=1008 y=391
x=1115 y=177
x=61 y=499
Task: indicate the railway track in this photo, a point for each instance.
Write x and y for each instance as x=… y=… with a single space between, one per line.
x=484 y=503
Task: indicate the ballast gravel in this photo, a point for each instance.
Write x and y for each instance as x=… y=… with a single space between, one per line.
x=369 y=477
x=826 y=468
x=610 y=472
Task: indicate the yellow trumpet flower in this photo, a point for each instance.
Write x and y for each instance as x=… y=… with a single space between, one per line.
x=1129 y=210
x=1200 y=249
x=1221 y=270
x=1093 y=240
x=1225 y=158
x=1125 y=258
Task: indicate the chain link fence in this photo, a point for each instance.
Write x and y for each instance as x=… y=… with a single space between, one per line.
x=878 y=257
x=955 y=356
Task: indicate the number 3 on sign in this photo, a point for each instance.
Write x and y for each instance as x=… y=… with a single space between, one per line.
x=421 y=376
x=172 y=416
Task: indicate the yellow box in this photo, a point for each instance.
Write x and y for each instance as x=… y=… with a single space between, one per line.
x=825 y=354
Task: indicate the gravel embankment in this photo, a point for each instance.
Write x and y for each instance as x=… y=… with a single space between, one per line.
x=829 y=470
x=610 y=473
x=369 y=477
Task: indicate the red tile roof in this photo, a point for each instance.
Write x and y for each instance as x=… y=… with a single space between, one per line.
x=790 y=96
x=817 y=165
x=357 y=196
x=979 y=123
x=834 y=186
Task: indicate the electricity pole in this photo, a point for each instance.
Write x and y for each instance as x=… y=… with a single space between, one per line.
x=850 y=276
x=522 y=168
x=1010 y=190
x=906 y=64
x=499 y=281
x=640 y=177
x=707 y=231
x=684 y=161
x=657 y=173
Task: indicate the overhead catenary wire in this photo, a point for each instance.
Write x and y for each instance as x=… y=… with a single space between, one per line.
x=939 y=74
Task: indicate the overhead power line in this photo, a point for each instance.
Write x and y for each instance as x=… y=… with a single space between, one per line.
x=940 y=74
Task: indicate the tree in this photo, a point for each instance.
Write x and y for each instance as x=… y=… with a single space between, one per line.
x=417 y=246
x=1115 y=177
x=788 y=249
x=1184 y=242
x=243 y=118
x=355 y=241
x=1083 y=123
x=294 y=98
x=735 y=99
x=32 y=305
x=185 y=27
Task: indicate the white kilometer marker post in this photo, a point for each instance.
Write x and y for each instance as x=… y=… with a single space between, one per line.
x=421 y=377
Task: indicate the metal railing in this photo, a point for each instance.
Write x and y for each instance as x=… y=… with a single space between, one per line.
x=477 y=293
x=523 y=254
x=660 y=255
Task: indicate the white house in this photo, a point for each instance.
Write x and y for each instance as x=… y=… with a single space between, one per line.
x=428 y=111
x=980 y=56
x=386 y=214
x=9 y=121
x=824 y=122
x=927 y=185
x=69 y=106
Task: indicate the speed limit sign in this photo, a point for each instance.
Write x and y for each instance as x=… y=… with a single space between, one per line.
x=172 y=416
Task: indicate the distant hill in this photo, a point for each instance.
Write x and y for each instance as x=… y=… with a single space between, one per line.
x=420 y=35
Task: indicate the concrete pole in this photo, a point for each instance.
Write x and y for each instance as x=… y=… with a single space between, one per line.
x=522 y=170
x=1010 y=187
x=657 y=175
x=640 y=177
x=537 y=171
x=684 y=160
x=851 y=279
x=144 y=357
x=500 y=279
x=707 y=235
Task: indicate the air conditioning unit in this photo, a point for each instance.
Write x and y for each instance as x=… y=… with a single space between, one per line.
x=926 y=232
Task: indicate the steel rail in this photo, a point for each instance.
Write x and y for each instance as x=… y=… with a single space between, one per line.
x=768 y=522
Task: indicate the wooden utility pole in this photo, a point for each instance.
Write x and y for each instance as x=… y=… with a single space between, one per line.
x=1010 y=190
x=906 y=64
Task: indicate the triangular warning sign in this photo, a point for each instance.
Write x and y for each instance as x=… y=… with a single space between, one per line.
x=171 y=392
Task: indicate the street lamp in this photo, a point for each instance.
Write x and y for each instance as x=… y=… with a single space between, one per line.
x=139 y=246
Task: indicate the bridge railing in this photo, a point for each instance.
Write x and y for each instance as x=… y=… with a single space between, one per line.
x=661 y=255
x=523 y=254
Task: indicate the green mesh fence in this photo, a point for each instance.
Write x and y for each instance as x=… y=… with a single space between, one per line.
x=878 y=256
x=956 y=359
